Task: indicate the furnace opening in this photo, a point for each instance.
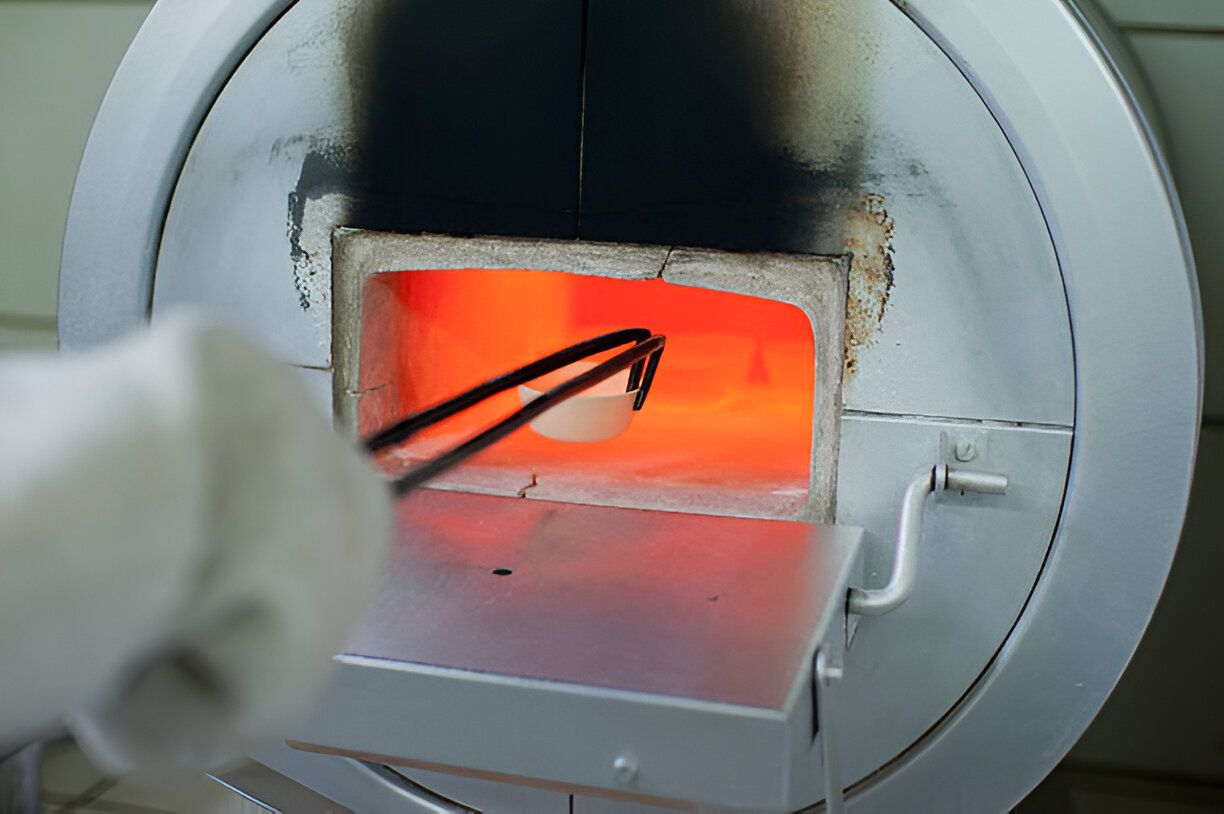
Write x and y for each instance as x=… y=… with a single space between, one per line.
x=727 y=429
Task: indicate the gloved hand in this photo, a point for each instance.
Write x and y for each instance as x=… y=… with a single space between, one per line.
x=184 y=544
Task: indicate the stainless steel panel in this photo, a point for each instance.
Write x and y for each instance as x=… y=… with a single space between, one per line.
x=714 y=609
x=492 y=796
x=385 y=115
x=826 y=126
x=531 y=730
x=275 y=792
x=1165 y=717
x=1129 y=275
x=351 y=783
x=183 y=55
x=598 y=805
x=682 y=643
x=221 y=255
x=913 y=137
x=978 y=558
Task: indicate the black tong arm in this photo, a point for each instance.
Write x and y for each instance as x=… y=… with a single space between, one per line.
x=642 y=360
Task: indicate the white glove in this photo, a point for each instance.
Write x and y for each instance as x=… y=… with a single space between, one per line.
x=184 y=544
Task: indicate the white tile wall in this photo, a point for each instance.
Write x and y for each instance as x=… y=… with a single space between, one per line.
x=1181 y=14
x=1186 y=71
x=56 y=60
x=20 y=332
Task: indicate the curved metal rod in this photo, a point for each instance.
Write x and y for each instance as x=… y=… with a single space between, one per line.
x=909 y=529
x=905 y=559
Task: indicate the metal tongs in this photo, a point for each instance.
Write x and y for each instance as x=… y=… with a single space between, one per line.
x=642 y=360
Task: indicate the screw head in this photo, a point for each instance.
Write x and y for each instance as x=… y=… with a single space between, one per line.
x=965 y=451
x=624 y=769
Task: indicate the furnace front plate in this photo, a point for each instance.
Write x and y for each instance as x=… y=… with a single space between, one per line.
x=1021 y=294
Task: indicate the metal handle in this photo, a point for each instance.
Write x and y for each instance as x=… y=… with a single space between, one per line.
x=879 y=601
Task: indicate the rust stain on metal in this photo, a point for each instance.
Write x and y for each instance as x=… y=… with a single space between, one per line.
x=870 y=239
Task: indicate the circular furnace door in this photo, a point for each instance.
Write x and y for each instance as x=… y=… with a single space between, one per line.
x=790 y=126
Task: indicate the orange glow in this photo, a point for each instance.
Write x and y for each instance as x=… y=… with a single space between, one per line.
x=726 y=429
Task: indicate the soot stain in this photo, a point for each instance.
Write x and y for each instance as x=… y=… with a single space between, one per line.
x=681 y=134
x=467 y=118
x=469 y=115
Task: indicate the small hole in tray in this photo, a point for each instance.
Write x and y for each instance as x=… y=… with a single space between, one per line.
x=502 y=572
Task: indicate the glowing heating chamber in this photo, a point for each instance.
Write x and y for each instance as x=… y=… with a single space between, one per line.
x=739 y=421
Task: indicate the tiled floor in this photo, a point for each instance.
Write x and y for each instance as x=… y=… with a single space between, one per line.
x=72 y=785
